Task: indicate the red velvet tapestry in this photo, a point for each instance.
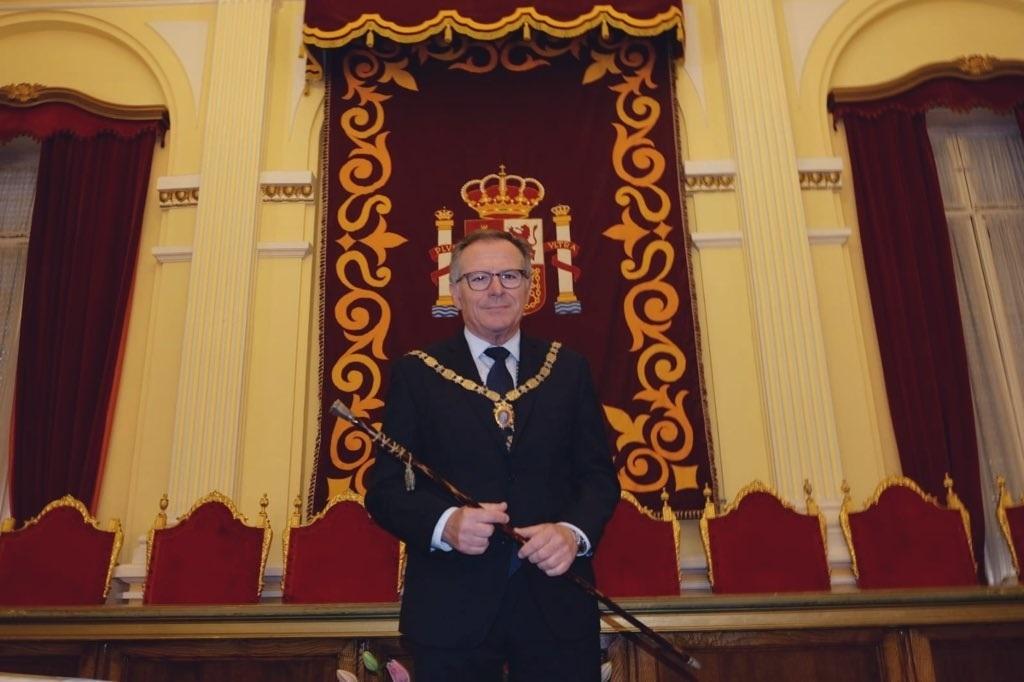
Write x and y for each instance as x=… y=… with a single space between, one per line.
x=582 y=127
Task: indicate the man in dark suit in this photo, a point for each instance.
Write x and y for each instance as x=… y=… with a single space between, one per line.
x=515 y=423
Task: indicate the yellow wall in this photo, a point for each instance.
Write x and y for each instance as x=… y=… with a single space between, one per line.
x=160 y=54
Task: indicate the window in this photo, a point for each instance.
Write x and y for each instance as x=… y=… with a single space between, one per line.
x=19 y=165
x=980 y=162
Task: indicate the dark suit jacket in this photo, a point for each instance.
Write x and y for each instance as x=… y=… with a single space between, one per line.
x=559 y=469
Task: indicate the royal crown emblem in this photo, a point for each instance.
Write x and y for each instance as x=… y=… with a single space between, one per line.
x=500 y=195
x=504 y=202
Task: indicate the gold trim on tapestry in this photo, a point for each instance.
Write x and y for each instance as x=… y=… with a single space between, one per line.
x=114 y=526
x=160 y=523
x=952 y=502
x=362 y=221
x=480 y=57
x=659 y=438
x=450 y=22
x=974 y=67
x=756 y=486
x=1005 y=501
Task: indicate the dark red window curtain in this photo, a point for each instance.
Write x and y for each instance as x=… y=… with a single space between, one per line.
x=90 y=194
x=909 y=265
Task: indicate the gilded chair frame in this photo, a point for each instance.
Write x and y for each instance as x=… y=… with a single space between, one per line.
x=1005 y=502
x=114 y=526
x=215 y=496
x=295 y=521
x=666 y=515
x=755 y=486
x=952 y=502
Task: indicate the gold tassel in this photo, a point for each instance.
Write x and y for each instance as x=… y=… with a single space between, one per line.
x=410 y=477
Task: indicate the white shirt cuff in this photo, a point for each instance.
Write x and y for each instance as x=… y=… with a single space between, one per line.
x=435 y=540
x=586 y=540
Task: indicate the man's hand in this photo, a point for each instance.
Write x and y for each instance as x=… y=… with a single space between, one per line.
x=469 y=529
x=551 y=546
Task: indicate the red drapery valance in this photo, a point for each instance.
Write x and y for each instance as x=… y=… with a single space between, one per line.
x=335 y=23
x=1001 y=94
x=45 y=120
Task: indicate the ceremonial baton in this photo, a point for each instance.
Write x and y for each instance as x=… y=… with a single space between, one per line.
x=395 y=449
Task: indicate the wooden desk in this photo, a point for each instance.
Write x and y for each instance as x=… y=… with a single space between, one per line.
x=962 y=634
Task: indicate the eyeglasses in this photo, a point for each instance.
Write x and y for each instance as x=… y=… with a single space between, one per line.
x=480 y=281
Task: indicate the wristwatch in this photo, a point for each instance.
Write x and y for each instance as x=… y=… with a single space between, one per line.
x=581 y=543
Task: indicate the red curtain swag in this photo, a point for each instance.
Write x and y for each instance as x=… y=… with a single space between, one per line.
x=81 y=260
x=1002 y=94
x=909 y=265
x=334 y=23
x=43 y=121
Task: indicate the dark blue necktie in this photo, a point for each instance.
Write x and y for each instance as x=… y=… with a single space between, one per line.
x=498 y=378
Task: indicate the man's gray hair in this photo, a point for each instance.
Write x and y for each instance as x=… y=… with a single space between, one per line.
x=486 y=236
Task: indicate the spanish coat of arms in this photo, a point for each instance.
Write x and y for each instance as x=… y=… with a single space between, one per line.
x=504 y=202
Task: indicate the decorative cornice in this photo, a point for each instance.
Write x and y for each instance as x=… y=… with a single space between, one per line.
x=178 y=190
x=21 y=92
x=284 y=249
x=973 y=67
x=716 y=240
x=820 y=173
x=172 y=254
x=31 y=94
x=99 y=4
x=288 y=186
x=710 y=176
x=834 y=236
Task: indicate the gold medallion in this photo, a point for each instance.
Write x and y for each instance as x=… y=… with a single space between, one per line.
x=504 y=414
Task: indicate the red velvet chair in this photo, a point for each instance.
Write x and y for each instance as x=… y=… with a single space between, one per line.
x=59 y=558
x=638 y=556
x=211 y=556
x=340 y=555
x=1011 y=521
x=903 y=538
x=760 y=543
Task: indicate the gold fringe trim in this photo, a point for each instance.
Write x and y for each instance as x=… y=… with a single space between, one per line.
x=524 y=19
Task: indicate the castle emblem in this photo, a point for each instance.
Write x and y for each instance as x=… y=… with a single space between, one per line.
x=504 y=202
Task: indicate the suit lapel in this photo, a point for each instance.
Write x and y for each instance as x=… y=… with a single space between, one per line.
x=531 y=357
x=457 y=357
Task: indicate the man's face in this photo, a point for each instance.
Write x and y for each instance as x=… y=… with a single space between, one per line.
x=494 y=313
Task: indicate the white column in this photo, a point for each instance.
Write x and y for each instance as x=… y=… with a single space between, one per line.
x=798 y=404
x=207 y=421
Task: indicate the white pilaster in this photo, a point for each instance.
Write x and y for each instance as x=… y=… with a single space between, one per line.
x=207 y=420
x=794 y=376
